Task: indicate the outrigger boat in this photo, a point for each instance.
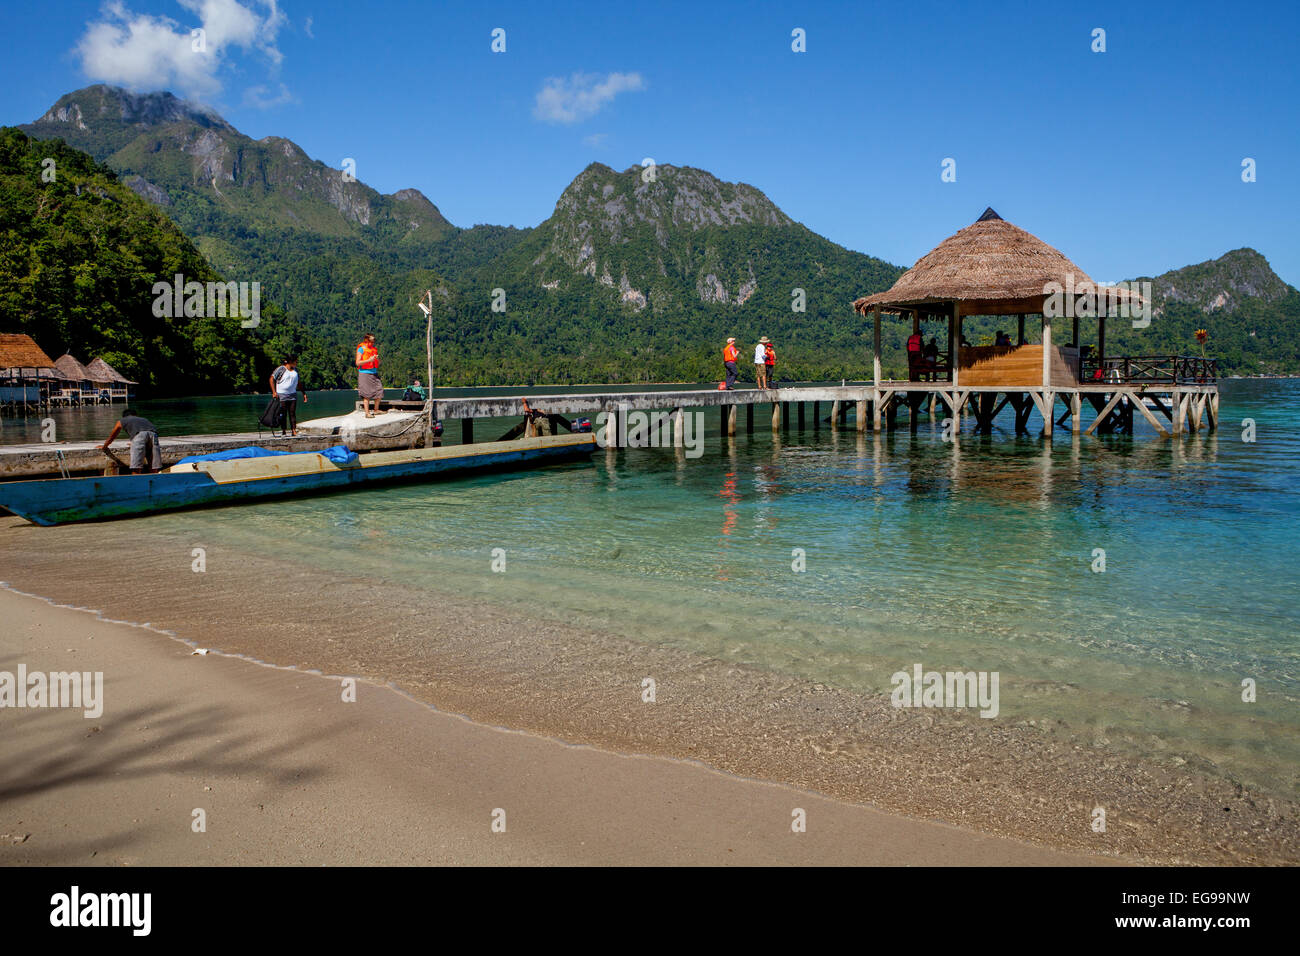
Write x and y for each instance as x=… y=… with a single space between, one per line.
x=193 y=483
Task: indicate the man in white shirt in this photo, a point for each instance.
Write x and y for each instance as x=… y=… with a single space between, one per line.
x=760 y=363
x=285 y=385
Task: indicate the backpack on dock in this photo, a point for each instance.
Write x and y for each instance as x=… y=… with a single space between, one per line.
x=273 y=414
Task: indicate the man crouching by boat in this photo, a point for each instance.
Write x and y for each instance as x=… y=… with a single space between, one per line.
x=144 y=441
x=368 y=384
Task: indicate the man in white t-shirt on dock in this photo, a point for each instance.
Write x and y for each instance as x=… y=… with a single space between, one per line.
x=760 y=362
x=285 y=385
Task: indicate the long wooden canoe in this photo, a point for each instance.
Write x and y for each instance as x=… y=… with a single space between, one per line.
x=61 y=500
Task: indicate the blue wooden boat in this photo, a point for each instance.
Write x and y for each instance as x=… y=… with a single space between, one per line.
x=61 y=500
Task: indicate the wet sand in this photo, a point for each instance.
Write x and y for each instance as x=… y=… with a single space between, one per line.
x=286 y=772
x=953 y=788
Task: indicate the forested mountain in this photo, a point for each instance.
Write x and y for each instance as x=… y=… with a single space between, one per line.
x=79 y=255
x=638 y=275
x=677 y=261
x=1252 y=316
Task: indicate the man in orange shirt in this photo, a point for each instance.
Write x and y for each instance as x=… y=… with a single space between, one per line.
x=730 y=355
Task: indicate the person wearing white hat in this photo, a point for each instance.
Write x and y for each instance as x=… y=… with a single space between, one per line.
x=760 y=362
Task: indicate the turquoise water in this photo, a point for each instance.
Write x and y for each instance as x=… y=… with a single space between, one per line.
x=973 y=555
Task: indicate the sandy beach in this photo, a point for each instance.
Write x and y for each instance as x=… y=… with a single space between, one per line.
x=287 y=773
x=498 y=709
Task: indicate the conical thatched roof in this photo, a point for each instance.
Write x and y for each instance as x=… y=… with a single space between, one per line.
x=991 y=262
x=18 y=351
x=70 y=370
x=101 y=371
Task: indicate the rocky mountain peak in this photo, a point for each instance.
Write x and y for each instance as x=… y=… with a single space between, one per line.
x=664 y=196
x=85 y=108
x=1221 y=283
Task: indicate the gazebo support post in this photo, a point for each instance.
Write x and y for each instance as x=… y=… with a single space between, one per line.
x=875 y=346
x=954 y=353
x=1049 y=400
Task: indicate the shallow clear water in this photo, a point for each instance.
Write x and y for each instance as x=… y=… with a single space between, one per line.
x=974 y=555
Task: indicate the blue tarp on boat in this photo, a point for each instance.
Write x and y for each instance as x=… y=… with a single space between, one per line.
x=339 y=454
x=250 y=451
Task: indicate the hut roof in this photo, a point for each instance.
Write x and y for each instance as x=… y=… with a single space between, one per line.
x=101 y=371
x=991 y=261
x=71 y=370
x=21 y=351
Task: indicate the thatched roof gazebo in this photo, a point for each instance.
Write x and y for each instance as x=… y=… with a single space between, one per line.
x=101 y=371
x=20 y=354
x=25 y=370
x=70 y=370
x=991 y=267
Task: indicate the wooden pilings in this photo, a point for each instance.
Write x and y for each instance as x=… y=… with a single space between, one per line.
x=467 y=431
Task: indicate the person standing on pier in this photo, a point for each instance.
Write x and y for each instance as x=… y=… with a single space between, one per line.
x=144 y=441
x=760 y=362
x=285 y=385
x=769 y=359
x=368 y=384
x=730 y=356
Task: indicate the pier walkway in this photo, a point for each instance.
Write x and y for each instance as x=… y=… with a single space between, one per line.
x=1170 y=408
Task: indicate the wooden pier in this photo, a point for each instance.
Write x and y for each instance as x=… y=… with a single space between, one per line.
x=1106 y=408
x=1177 y=408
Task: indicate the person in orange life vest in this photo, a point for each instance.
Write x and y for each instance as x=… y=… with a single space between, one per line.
x=916 y=362
x=368 y=384
x=769 y=359
x=730 y=355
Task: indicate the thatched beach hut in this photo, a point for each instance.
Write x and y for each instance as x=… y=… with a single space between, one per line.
x=24 y=371
x=993 y=267
x=77 y=381
x=110 y=379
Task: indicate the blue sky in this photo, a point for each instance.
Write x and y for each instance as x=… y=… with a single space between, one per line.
x=1129 y=160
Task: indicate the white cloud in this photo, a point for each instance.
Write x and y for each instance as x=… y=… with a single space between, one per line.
x=307 y=27
x=261 y=97
x=144 y=52
x=595 y=140
x=581 y=95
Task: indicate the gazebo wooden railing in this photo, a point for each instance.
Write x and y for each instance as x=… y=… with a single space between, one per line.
x=1153 y=370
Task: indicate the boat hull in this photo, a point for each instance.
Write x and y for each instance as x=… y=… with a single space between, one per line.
x=64 y=500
